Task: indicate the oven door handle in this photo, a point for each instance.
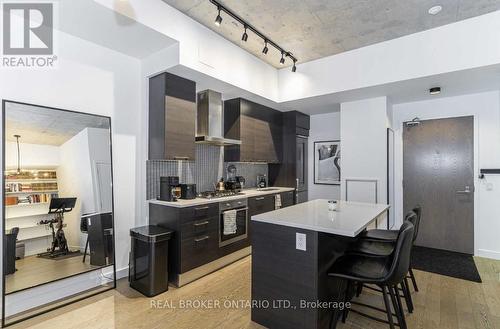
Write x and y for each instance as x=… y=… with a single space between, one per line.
x=237 y=209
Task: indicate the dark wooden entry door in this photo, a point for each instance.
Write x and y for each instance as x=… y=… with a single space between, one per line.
x=438 y=174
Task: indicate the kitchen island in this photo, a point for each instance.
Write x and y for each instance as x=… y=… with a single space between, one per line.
x=292 y=250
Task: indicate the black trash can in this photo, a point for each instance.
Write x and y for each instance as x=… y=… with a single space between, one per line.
x=148 y=268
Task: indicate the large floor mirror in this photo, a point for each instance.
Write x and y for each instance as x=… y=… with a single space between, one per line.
x=57 y=208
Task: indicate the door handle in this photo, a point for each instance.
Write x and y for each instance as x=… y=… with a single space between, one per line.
x=202 y=239
x=201 y=223
x=467 y=190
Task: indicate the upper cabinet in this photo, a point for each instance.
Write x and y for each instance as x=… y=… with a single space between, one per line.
x=258 y=127
x=172 y=118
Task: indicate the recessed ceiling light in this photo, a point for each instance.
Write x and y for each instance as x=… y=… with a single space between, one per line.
x=435 y=90
x=435 y=10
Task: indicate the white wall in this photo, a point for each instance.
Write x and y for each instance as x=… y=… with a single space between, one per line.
x=33 y=156
x=363 y=131
x=92 y=79
x=467 y=44
x=75 y=180
x=203 y=50
x=485 y=107
x=324 y=127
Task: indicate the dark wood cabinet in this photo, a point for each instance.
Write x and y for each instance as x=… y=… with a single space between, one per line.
x=196 y=235
x=172 y=118
x=195 y=241
x=258 y=127
x=293 y=169
x=260 y=204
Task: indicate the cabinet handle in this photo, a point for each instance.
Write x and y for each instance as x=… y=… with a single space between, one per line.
x=201 y=223
x=297 y=183
x=201 y=239
x=261 y=198
x=201 y=208
x=180 y=158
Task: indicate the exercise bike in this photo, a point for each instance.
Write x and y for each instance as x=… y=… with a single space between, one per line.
x=59 y=245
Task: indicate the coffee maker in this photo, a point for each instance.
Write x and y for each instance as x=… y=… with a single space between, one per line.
x=170 y=189
x=232 y=183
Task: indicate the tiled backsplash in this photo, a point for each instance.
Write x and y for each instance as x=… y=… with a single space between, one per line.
x=208 y=168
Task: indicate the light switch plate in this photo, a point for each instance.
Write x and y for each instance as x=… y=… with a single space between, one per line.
x=300 y=241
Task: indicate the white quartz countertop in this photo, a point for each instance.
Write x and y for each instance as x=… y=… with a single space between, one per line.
x=246 y=193
x=348 y=220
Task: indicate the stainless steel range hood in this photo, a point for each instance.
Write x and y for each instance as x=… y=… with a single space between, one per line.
x=210 y=120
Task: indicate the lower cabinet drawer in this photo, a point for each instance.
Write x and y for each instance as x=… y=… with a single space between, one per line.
x=199 y=212
x=200 y=227
x=199 y=250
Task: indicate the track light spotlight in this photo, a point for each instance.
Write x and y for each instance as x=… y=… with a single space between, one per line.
x=294 y=67
x=244 y=37
x=265 y=50
x=218 y=19
x=282 y=60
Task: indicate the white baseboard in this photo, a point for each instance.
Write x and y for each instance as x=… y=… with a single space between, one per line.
x=488 y=254
x=121 y=273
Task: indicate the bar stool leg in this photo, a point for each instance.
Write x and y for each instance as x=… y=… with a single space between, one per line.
x=346 y=299
x=359 y=289
x=406 y=293
x=388 y=307
x=396 y=307
x=412 y=277
x=401 y=310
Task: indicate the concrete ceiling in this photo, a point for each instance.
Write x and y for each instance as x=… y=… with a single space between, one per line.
x=313 y=29
x=93 y=22
x=38 y=125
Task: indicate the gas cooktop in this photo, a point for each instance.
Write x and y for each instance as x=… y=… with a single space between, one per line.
x=218 y=194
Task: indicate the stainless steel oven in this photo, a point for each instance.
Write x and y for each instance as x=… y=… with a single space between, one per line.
x=240 y=206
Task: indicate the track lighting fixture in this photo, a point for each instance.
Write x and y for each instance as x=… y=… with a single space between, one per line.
x=265 y=50
x=244 y=37
x=218 y=19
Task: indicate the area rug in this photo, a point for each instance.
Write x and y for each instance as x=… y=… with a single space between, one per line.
x=454 y=264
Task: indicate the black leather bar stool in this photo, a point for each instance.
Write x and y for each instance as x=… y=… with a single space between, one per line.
x=385 y=272
x=390 y=236
x=381 y=248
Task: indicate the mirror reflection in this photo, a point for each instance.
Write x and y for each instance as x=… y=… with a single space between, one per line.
x=57 y=195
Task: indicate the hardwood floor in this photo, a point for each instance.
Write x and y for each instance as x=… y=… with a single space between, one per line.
x=33 y=270
x=442 y=302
